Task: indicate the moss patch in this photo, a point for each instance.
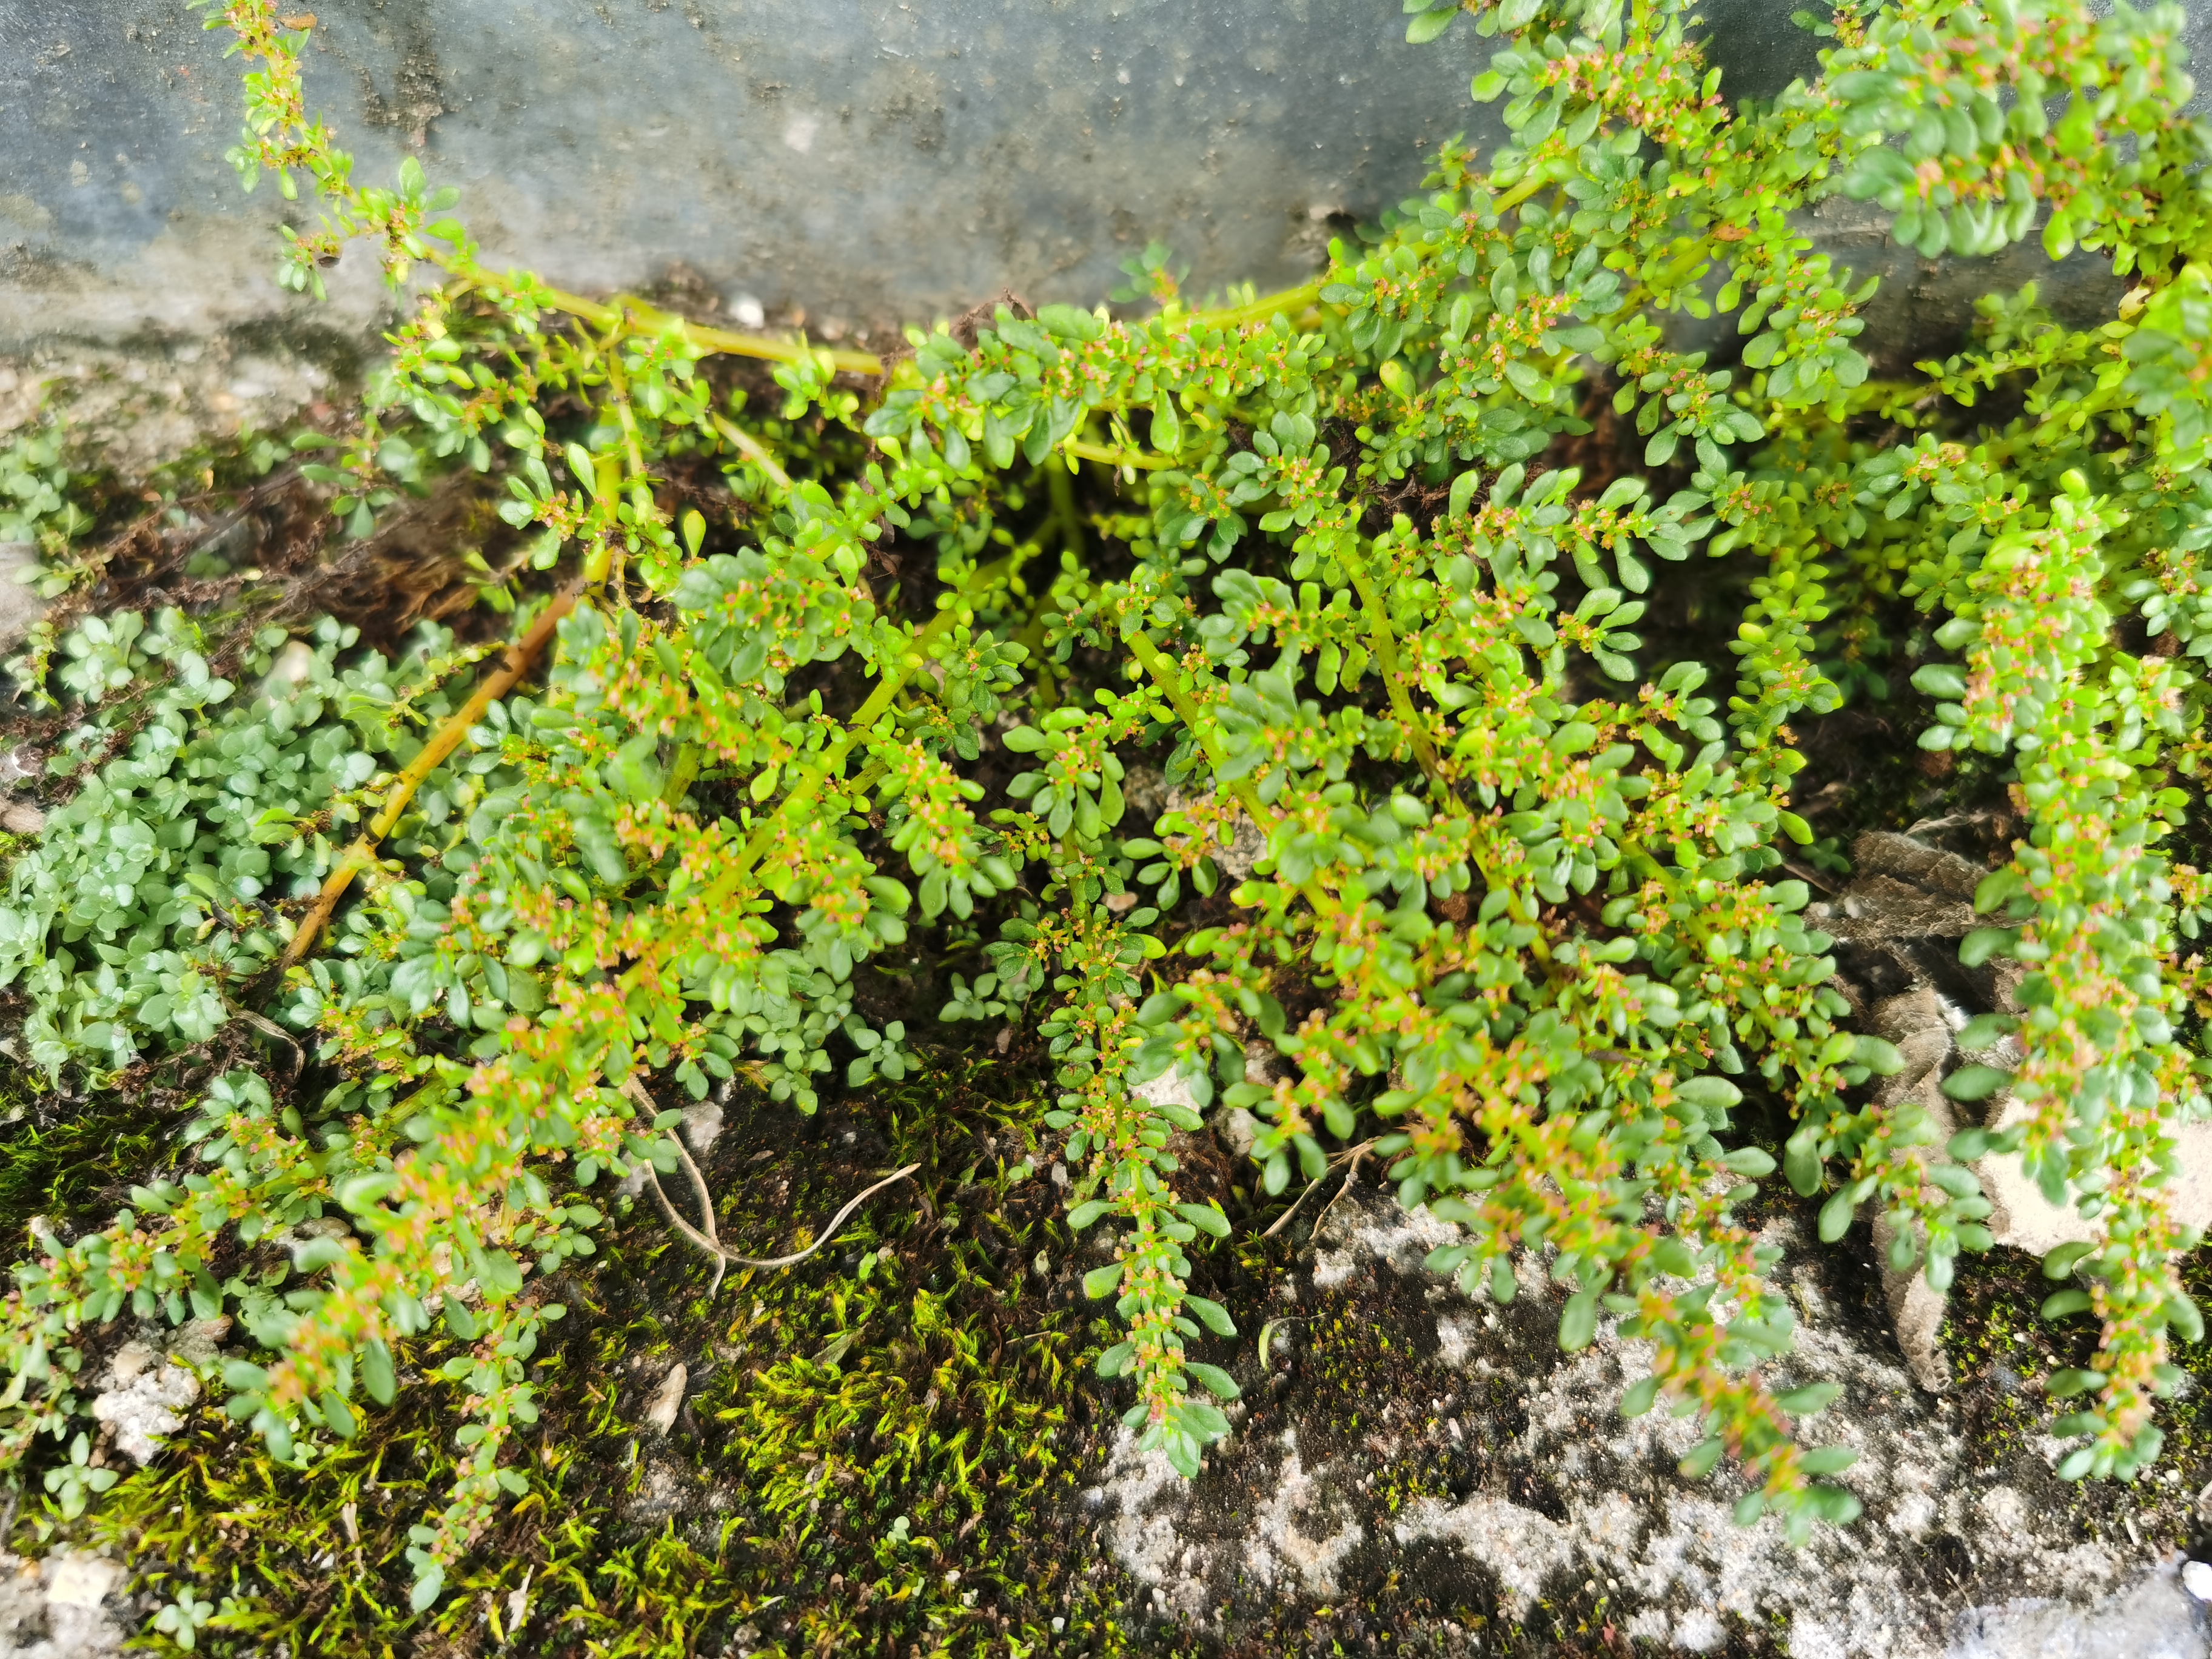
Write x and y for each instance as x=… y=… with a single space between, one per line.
x=873 y=1454
x=2001 y=1350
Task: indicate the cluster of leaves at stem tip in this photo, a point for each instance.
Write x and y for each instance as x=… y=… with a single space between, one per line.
x=1511 y=899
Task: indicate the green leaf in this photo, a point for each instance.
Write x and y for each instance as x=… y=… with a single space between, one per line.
x=1836 y=1216
x=2065 y=1258
x=1430 y=24
x=1968 y=1145
x=1971 y=1083
x=1578 y=1321
x=1102 y=1281
x=1940 y=680
x=1640 y=1396
x=2060 y=1304
x=1878 y=1055
x=585 y=471
x=2182 y=1315
x=1217 y=1382
x=1750 y=1161
x=1714 y=1093
x=1211 y=1315
x=1702 y=1459
x=1978 y=947
x=2063 y=1385
x=1983 y=1031
x=1206 y=1217
x=1801 y=1163
x=1808 y=1400
x=376 y=1373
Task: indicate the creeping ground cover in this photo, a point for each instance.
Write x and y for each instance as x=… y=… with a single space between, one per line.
x=1391 y=708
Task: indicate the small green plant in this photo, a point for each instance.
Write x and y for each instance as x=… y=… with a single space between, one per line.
x=1517 y=905
x=38 y=502
x=73 y=1484
x=182 y=1619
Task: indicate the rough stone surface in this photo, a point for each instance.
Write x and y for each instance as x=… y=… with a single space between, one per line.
x=66 y=1607
x=20 y=605
x=1436 y=1465
x=767 y=162
x=152 y=1380
x=1899 y=925
x=144 y=1399
x=872 y=162
x=2152 y=1617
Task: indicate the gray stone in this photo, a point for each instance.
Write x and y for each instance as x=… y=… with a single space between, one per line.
x=767 y=161
x=66 y=1607
x=1477 y=1474
x=2152 y=1617
x=702 y=1124
x=20 y=603
x=865 y=163
x=144 y=1399
x=1900 y=923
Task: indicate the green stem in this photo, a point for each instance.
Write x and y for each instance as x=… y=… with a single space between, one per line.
x=1385 y=641
x=751 y=448
x=1062 y=484
x=637 y=317
x=1291 y=300
x=1112 y=456
x=1169 y=678
x=362 y=854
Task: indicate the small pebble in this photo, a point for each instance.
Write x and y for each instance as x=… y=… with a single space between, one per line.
x=2196 y=1579
x=668 y=1399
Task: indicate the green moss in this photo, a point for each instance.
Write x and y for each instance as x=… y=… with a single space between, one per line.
x=2001 y=1349
x=874 y=1452
x=72 y=1160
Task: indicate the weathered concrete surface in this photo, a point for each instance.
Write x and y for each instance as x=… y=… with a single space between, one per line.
x=1416 y=1462
x=71 y=1605
x=857 y=162
x=863 y=161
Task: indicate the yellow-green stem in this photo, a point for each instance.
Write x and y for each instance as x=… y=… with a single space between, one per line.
x=442 y=742
x=751 y=448
x=652 y=319
x=1169 y=678
x=1385 y=641
x=1090 y=452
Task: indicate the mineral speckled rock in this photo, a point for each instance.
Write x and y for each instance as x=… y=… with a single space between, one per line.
x=65 y=1606
x=21 y=607
x=1419 y=1462
x=1898 y=925
x=145 y=1400
x=152 y=1380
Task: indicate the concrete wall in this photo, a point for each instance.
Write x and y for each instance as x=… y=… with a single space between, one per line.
x=863 y=160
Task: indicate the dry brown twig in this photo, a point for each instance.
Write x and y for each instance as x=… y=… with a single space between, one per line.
x=363 y=853
x=710 y=1240
x=1351 y=1155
